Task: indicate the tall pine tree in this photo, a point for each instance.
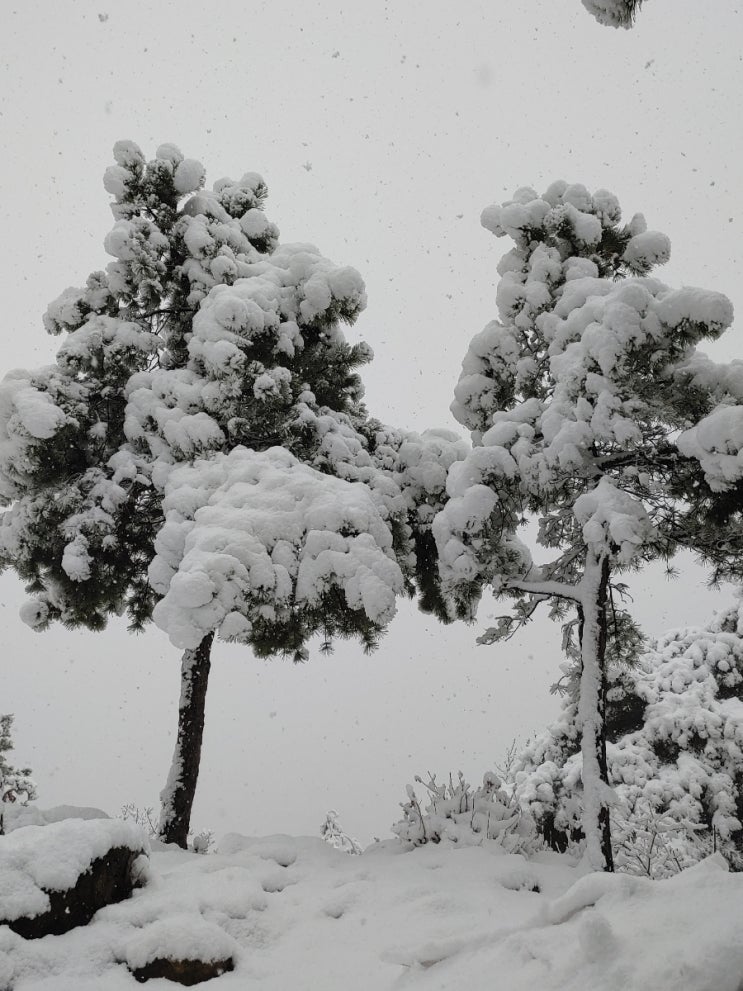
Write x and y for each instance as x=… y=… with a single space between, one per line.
x=206 y=338
x=576 y=397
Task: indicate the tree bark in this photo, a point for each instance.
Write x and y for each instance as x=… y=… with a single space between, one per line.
x=592 y=709
x=177 y=796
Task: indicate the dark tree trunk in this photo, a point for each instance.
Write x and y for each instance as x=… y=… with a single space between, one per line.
x=592 y=706
x=604 y=815
x=178 y=795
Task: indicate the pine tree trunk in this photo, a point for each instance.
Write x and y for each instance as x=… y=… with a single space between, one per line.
x=177 y=796
x=592 y=710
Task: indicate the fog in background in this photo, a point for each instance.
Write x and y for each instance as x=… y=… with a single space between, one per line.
x=382 y=130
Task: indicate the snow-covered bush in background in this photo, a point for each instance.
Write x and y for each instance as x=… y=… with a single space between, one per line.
x=457 y=813
x=651 y=843
x=674 y=754
x=614 y=13
x=334 y=835
x=16 y=783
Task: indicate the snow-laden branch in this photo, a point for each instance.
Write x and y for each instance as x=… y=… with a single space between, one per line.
x=549 y=589
x=257 y=540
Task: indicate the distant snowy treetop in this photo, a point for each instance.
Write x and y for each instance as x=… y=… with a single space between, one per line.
x=614 y=13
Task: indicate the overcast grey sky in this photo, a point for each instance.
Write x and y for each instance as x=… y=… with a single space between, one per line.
x=382 y=130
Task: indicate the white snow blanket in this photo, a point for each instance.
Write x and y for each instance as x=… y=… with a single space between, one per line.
x=296 y=913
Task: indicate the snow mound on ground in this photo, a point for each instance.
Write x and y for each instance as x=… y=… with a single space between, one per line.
x=296 y=913
x=53 y=857
x=180 y=937
x=16 y=816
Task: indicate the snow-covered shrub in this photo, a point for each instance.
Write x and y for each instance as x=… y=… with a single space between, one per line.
x=146 y=817
x=674 y=755
x=460 y=814
x=334 y=834
x=655 y=844
x=203 y=841
x=16 y=783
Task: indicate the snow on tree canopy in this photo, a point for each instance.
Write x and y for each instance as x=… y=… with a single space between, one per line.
x=251 y=536
x=716 y=442
x=561 y=387
x=201 y=334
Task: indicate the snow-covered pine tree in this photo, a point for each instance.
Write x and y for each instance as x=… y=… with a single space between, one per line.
x=575 y=398
x=674 y=724
x=16 y=784
x=614 y=13
x=205 y=360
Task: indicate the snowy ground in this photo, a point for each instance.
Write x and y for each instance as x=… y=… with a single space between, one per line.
x=302 y=915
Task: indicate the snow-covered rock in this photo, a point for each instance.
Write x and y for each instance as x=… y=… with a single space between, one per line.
x=56 y=877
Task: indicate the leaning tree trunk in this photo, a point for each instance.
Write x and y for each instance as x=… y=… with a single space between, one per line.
x=592 y=710
x=177 y=796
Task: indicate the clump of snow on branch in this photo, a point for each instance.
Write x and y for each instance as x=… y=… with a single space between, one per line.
x=716 y=442
x=250 y=536
x=608 y=515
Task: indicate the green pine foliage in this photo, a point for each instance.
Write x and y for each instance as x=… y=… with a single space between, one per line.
x=204 y=334
x=83 y=508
